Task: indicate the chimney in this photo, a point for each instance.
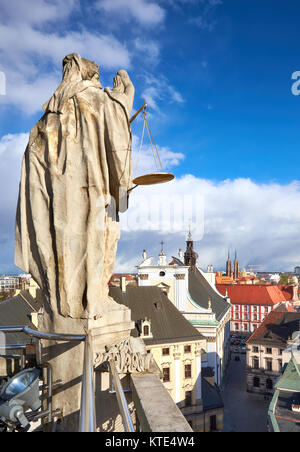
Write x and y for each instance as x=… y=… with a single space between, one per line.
x=144 y=255
x=123 y=283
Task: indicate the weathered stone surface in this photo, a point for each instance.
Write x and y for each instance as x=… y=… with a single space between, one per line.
x=77 y=162
x=66 y=359
x=129 y=356
x=155 y=408
x=76 y=173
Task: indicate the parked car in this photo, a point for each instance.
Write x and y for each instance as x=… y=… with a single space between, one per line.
x=243 y=350
x=236 y=350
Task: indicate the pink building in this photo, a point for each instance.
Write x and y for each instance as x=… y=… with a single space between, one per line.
x=252 y=303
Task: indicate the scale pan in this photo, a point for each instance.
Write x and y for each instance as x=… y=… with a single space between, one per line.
x=153 y=178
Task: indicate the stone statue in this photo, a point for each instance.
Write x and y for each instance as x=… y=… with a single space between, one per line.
x=76 y=174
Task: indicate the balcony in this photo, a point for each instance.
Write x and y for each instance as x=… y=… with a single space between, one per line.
x=145 y=405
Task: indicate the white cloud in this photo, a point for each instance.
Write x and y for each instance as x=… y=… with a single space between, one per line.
x=148 y=48
x=261 y=221
x=27 y=55
x=143 y=160
x=158 y=90
x=143 y=11
x=12 y=148
x=35 y=12
x=11 y=151
x=51 y=47
x=28 y=84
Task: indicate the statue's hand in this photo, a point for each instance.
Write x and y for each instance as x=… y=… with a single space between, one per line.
x=123 y=77
x=118 y=85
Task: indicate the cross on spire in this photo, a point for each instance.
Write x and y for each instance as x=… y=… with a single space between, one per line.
x=162 y=248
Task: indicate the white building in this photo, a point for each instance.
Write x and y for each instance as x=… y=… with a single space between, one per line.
x=273 y=278
x=194 y=294
x=10 y=283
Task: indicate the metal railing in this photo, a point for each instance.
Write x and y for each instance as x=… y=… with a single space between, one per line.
x=87 y=409
x=127 y=421
x=87 y=422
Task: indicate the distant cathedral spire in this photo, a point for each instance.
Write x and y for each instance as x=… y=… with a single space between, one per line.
x=228 y=266
x=235 y=267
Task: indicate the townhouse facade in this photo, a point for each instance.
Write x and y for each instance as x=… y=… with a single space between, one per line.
x=250 y=305
x=177 y=348
x=265 y=348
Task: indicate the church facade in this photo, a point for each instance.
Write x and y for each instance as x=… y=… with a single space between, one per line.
x=194 y=294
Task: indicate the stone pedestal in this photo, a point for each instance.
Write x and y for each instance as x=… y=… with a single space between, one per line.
x=66 y=358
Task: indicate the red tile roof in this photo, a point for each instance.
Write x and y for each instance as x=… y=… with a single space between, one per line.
x=117 y=276
x=252 y=294
x=272 y=317
x=284 y=307
x=287 y=291
x=278 y=324
x=224 y=280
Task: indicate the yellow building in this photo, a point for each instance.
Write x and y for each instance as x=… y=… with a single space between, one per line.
x=194 y=294
x=177 y=348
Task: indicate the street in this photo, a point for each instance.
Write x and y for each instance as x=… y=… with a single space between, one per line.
x=243 y=412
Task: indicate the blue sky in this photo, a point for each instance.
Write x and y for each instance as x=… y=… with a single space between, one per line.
x=217 y=78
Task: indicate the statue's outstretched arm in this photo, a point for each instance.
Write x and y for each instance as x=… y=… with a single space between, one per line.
x=123 y=85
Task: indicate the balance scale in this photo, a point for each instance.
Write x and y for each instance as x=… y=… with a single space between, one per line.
x=159 y=176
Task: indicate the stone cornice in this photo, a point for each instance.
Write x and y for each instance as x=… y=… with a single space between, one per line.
x=129 y=356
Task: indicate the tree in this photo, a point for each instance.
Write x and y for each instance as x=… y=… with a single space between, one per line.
x=284 y=279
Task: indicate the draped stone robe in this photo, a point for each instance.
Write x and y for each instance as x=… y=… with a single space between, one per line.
x=78 y=158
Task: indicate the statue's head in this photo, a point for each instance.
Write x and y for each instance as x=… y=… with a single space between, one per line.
x=76 y=68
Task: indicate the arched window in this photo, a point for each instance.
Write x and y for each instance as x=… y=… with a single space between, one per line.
x=256 y=382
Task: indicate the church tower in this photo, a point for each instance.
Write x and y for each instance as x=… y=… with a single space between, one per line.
x=228 y=267
x=235 y=267
x=190 y=256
